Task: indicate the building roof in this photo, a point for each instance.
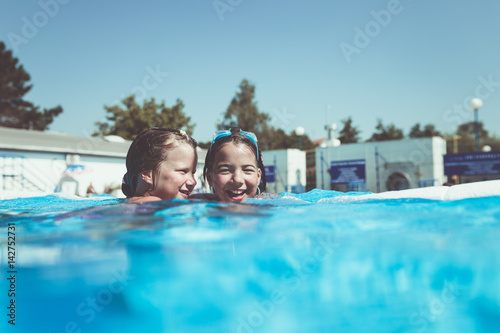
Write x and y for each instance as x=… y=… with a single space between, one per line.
x=317 y=142
x=53 y=142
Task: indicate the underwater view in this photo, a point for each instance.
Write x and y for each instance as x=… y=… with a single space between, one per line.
x=321 y=261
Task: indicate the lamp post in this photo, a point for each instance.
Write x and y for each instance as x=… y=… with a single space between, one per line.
x=327 y=127
x=475 y=104
x=299 y=131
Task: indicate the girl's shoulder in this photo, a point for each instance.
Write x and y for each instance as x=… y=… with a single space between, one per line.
x=203 y=196
x=148 y=198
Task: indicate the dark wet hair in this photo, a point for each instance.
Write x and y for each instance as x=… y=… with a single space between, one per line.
x=147 y=151
x=235 y=138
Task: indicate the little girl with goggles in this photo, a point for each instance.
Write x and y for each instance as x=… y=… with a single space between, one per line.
x=234 y=167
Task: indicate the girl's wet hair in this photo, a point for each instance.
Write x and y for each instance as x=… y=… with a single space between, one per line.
x=235 y=138
x=147 y=151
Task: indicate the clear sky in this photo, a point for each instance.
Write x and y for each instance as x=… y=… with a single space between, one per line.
x=404 y=62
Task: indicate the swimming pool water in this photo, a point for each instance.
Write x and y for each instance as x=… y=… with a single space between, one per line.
x=316 y=262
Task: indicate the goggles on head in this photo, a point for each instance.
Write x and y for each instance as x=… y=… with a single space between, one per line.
x=235 y=130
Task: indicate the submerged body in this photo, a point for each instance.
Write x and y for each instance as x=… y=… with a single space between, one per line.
x=321 y=261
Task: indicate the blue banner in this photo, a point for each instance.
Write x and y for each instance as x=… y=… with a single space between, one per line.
x=342 y=172
x=481 y=163
x=270 y=174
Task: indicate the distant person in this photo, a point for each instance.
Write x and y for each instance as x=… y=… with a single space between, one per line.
x=90 y=190
x=233 y=167
x=161 y=163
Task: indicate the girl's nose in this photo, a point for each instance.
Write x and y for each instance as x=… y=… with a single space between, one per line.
x=191 y=181
x=237 y=177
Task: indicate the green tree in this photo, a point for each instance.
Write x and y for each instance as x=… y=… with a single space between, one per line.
x=15 y=112
x=427 y=132
x=242 y=112
x=468 y=130
x=349 y=134
x=281 y=140
x=131 y=120
x=386 y=133
x=467 y=134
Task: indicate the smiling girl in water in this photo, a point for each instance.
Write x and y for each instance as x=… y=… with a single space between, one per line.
x=161 y=163
x=233 y=166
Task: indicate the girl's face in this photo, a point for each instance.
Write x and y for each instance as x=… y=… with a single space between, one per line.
x=175 y=178
x=235 y=175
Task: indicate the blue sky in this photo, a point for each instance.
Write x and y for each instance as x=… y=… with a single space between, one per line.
x=404 y=62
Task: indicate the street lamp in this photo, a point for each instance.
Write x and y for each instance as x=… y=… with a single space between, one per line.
x=327 y=127
x=475 y=104
x=299 y=131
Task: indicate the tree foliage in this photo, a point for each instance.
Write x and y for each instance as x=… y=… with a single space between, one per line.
x=466 y=133
x=281 y=140
x=132 y=119
x=386 y=133
x=15 y=112
x=428 y=131
x=243 y=112
x=349 y=134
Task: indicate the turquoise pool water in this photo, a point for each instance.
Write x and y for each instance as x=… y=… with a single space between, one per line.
x=317 y=262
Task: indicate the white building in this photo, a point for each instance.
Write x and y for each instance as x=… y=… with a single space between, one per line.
x=37 y=163
x=289 y=170
x=381 y=166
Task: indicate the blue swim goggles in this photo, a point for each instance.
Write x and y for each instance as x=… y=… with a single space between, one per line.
x=235 y=130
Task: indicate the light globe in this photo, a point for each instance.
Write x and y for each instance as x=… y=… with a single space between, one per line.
x=486 y=148
x=299 y=131
x=476 y=103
